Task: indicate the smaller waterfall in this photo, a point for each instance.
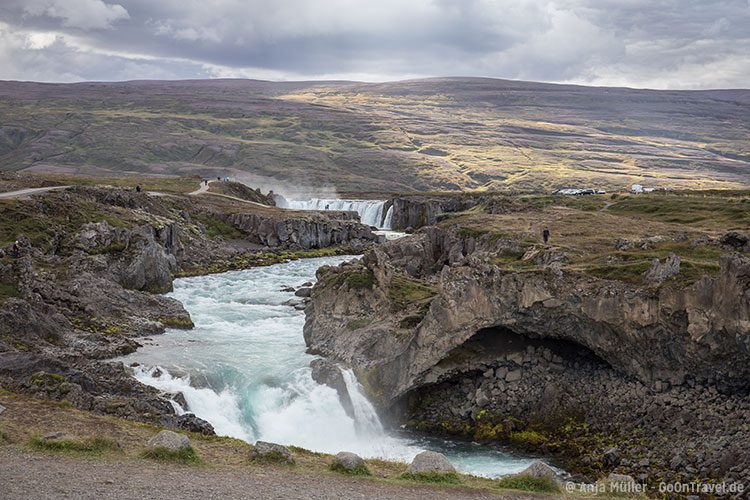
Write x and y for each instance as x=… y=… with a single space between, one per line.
x=365 y=417
x=371 y=212
x=388 y=222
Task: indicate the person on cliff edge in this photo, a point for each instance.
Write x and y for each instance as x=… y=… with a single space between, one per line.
x=545 y=235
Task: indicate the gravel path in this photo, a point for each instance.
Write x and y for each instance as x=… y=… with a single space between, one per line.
x=29 y=191
x=26 y=475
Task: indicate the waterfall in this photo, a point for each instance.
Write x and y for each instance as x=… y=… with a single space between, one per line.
x=365 y=417
x=370 y=211
x=388 y=222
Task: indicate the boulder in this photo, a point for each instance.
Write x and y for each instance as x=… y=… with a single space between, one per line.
x=429 y=462
x=271 y=452
x=611 y=457
x=348 y=462
x=303 y=292
x=191 y=423
x=734 y=240
x=624 y=482
x=540 y=470
x=660 y=272
x=54 y=436
x=170 y=440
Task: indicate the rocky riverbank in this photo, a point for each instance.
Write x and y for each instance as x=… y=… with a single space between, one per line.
x=466 y=331
x=85 y=278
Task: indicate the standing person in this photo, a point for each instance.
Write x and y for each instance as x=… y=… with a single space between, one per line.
x=15 y=250
x=138 y=189
x=545 y=235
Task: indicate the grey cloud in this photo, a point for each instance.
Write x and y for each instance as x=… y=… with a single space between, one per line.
x=656 y=43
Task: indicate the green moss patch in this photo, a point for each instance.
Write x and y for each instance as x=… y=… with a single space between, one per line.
x=404 y=291
x=360 y=279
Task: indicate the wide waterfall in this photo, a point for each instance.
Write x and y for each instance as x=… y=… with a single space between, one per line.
x=244 y=368
x=371 y=212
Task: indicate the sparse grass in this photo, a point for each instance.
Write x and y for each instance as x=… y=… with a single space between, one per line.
x=185 y=455
x=432 y=477
x=91 y=446
x=176 y=322
x=528 y=483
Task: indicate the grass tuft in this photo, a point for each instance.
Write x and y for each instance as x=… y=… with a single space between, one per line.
x=525 y=482
x=186 y=455
x=361 y=470
x=432 y=477
x=93 y=446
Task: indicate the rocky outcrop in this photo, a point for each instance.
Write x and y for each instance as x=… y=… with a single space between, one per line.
x=417 y=211
x=312 y=230
x=451 y=342
x=699 y=332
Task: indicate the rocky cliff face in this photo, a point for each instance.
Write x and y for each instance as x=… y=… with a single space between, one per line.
x=444 y=338
x=302 y=231
x=699 y=332
x=417 y=211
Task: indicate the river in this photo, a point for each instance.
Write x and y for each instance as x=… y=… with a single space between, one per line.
x=244 y=369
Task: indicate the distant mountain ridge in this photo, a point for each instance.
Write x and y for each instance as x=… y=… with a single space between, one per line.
x=414 y=135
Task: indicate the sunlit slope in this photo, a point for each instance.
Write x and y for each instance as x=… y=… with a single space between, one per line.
x=404 y=136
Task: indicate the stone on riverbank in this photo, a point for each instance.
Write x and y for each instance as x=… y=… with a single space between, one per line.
x=539 y=469
x=264 y=452
x=349 y=463
x=431 y=462
x=169 y=440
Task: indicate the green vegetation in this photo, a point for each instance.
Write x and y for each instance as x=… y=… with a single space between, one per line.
x=360 y=470
x=405 y=291
x=432 y=477
x=360 y=279
x=217 y=228
x=176 y=322
x=356 y=324
x=54 y=215
x=528 y=438
x=8 y=291
x=272 y=457
x=92 y=446
x=528 y=483
x=185 y=455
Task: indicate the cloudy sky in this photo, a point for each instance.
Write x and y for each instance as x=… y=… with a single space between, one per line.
x=639 y=43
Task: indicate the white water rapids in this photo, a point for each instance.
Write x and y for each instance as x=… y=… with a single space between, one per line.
x=371 y=212
x=244 y=369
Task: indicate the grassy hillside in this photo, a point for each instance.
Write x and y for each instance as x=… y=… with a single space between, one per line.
x=460 y=133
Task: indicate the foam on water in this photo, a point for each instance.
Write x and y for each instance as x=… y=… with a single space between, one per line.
x=244 y=369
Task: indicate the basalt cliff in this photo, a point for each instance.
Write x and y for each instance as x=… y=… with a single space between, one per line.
x=460 y=332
